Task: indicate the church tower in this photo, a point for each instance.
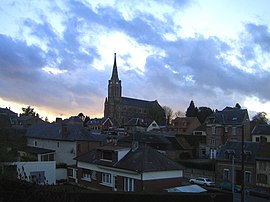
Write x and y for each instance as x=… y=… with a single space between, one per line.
x=112 y=102
x=114 y=86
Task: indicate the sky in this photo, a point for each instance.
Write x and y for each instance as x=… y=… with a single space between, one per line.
x=57 y=56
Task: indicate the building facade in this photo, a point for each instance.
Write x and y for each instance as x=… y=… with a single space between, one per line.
x=123 y=109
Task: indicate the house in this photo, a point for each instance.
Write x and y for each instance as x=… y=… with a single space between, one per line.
x=135 y=125
x=126 y=169
x=101 y=125
x=184 y=125
x=260 y=131
x=153 y=126
x=8 y=118
x=171 y=146
x=67 y=140
x=263 y=165
x=228 y=124
x=27 y=120
x=229 y=155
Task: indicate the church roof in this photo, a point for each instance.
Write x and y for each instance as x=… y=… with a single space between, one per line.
x=136 y=102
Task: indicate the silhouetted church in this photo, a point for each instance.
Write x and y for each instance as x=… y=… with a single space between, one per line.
x=123 y=109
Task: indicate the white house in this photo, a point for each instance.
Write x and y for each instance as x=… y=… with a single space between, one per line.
x=39 y=172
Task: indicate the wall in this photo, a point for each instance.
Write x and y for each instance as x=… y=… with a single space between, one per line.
x=48 y=167
x=63 y=154
x=61 y=174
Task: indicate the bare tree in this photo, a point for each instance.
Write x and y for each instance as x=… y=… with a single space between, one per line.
x=168 y=114
x=179 y=114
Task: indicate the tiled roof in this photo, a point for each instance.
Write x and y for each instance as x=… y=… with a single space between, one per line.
x=261 y=130
x=236 y=146
x=143 y=159
x=54 y=131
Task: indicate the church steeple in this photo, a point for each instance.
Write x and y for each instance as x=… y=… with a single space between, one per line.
x=114 y=72
x=114 y=87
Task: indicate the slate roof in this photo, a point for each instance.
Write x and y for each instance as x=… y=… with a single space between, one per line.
x=261 y=130
x=136 y=102
x=7 y=111
x=36 y=150
x=53 y=131
x=230 y=116
x=236 y=147
x=143 y=159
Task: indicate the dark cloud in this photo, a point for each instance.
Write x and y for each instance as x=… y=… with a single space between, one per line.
x=191 y=68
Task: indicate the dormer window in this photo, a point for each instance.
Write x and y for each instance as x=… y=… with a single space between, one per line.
x=247 y=155
x=229 y=154
x=106 y=155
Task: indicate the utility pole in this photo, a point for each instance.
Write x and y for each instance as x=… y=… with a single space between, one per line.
x=233 y=176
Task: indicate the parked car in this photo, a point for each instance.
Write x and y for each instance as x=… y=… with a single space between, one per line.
x=258 y=191
x=228 y=186
x=202 y=181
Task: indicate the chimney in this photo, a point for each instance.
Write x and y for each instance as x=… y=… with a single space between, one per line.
x=58 y=120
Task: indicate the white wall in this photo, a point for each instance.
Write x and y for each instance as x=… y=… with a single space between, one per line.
x=49 y=168
x=63 y=154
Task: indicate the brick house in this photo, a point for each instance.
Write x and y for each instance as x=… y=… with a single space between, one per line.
x=126 y=169
x=184 y=125
x=224 y=162
x=100 y=124
x=228 y=124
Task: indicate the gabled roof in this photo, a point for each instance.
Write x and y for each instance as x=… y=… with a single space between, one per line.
x=230 y=116
x=143 y=159
x=261 y=130
x=54 y=131
x=97 y=121
x=236 y=147
x=146 y=159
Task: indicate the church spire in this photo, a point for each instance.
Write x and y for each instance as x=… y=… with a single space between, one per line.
x=114 y=87
x=114 y=72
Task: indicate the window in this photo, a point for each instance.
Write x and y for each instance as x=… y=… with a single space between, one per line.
x=35 y=143
x=226 y=129
x=106 y=178
x=257 y=139
x=38 y=177
x=78 y=147
x=213 y=130
x=262 y=178
x=233 y=130
x=86 y=176
x=58 y=144
x=226 y=174
x=247 y=177
x=106 y=155
x=213 y=141
x=128 y=184
x=262 y=165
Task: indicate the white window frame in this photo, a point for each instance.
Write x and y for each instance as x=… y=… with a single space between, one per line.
x=128 y=184
x=86 y=177
x=107 y=179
